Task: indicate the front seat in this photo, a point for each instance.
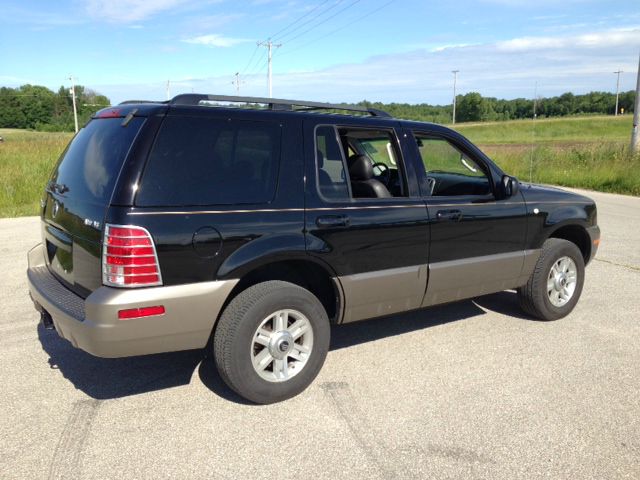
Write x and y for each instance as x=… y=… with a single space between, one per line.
x=363 y=185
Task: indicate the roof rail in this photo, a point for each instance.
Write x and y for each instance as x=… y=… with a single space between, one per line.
x=131 y=102
x=273 y=103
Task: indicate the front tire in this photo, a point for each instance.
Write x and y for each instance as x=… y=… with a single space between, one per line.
x=271 y=341
x=555 y=285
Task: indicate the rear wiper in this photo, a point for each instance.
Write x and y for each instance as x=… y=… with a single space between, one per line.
x=58 y=187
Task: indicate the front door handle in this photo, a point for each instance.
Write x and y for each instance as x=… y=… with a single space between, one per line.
x=450 y=215
x=332 y=221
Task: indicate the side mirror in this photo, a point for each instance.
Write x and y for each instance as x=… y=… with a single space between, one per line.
x=510 y=185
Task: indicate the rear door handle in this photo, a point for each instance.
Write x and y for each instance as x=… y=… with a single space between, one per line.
x=332 y=221
x=451 y=215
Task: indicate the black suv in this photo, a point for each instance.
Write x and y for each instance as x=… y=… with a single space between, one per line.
x=190 y=223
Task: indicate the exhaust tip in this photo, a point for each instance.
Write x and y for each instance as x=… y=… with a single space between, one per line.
x=47 y=321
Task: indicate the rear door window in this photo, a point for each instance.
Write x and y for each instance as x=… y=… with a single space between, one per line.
x=209 y=161
x=88 y=169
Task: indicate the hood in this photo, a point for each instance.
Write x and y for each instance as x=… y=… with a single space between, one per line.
x=541 y=193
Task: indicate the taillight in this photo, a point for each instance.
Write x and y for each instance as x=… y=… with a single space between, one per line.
x=129 y=257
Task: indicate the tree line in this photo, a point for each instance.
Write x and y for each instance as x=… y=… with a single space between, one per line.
x=473 y=107
x=38 y=108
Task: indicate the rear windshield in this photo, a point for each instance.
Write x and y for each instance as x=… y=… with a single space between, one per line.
x=209 y=161
x=88 y=169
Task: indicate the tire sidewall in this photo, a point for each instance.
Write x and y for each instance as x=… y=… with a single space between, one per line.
x=247 y=382
x=560 y=249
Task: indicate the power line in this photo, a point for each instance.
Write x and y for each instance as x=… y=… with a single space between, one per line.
x=323 y=21
x=312 y=19
x=255 y=50
x=347 y=25
x=275 y=35
x=259 y=67
x=251 y=64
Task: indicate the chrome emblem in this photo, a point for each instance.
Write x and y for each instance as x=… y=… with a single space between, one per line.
x=92 y=223
x=56 y=208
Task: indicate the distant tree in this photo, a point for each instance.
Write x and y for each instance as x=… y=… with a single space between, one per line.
x=472 y=107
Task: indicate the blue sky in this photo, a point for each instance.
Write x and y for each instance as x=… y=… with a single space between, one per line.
x=332 y=50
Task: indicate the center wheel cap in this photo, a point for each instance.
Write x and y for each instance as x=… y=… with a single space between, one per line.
x=281 y=343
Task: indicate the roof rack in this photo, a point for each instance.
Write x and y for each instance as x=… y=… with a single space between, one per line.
x=272 y=103
x=131 y=102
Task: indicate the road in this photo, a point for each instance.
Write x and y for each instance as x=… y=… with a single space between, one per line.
x=465 y=391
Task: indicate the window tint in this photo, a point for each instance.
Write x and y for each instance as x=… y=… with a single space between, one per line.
x=449 y=171
x=90 y=166
x=332 y=179
x=203 y=161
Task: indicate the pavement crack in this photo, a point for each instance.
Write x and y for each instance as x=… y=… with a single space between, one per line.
x=363 y=434
x=66 y=460
x=631 y=267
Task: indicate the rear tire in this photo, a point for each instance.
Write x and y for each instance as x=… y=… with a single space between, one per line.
x=271 y=341
x=555 y=285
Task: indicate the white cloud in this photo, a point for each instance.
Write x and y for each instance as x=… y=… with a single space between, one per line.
x=215 y=40
x=611 y=38
x=128 y=10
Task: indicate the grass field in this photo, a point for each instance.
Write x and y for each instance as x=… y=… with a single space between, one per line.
x=26 y=161
x=587 y=152
x=552 y=130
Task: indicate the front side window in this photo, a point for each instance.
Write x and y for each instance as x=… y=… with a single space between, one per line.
x=449 y=171
x=355 y=163
x=205 y=161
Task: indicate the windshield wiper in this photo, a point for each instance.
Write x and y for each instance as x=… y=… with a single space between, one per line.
x=61 y=188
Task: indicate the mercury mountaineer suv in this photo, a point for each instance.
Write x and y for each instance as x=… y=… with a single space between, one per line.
x=192 y=224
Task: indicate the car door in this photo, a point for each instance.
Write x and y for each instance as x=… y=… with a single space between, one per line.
x=377 y=247
x=477 y=235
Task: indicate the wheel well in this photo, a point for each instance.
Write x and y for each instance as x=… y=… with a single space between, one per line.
x=575 y=234
x=299 y=272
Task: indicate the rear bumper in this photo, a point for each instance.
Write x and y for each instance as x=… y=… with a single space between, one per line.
x=92 y=324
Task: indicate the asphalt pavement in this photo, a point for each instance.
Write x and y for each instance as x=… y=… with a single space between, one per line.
x=464 y=391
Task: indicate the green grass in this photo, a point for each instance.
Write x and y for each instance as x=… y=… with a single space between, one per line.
x=26 y=161
x=586 y=152
x=553 y=130
x=606 y=167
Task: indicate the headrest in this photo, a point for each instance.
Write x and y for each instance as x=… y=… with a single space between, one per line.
x=320 y=158
x=360 y=168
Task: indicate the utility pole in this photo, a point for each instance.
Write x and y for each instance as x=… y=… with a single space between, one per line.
x=168 y=89
x=533 y=129
x=635 y=136
x=269 y=44
x=73 y=98
x=237 y=82
x=455 y=79
x=617 y=90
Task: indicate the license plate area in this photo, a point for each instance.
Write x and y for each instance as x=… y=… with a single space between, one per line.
x=59 y=247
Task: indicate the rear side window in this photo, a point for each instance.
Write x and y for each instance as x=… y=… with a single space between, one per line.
x=205 y=161
x=89 y=167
